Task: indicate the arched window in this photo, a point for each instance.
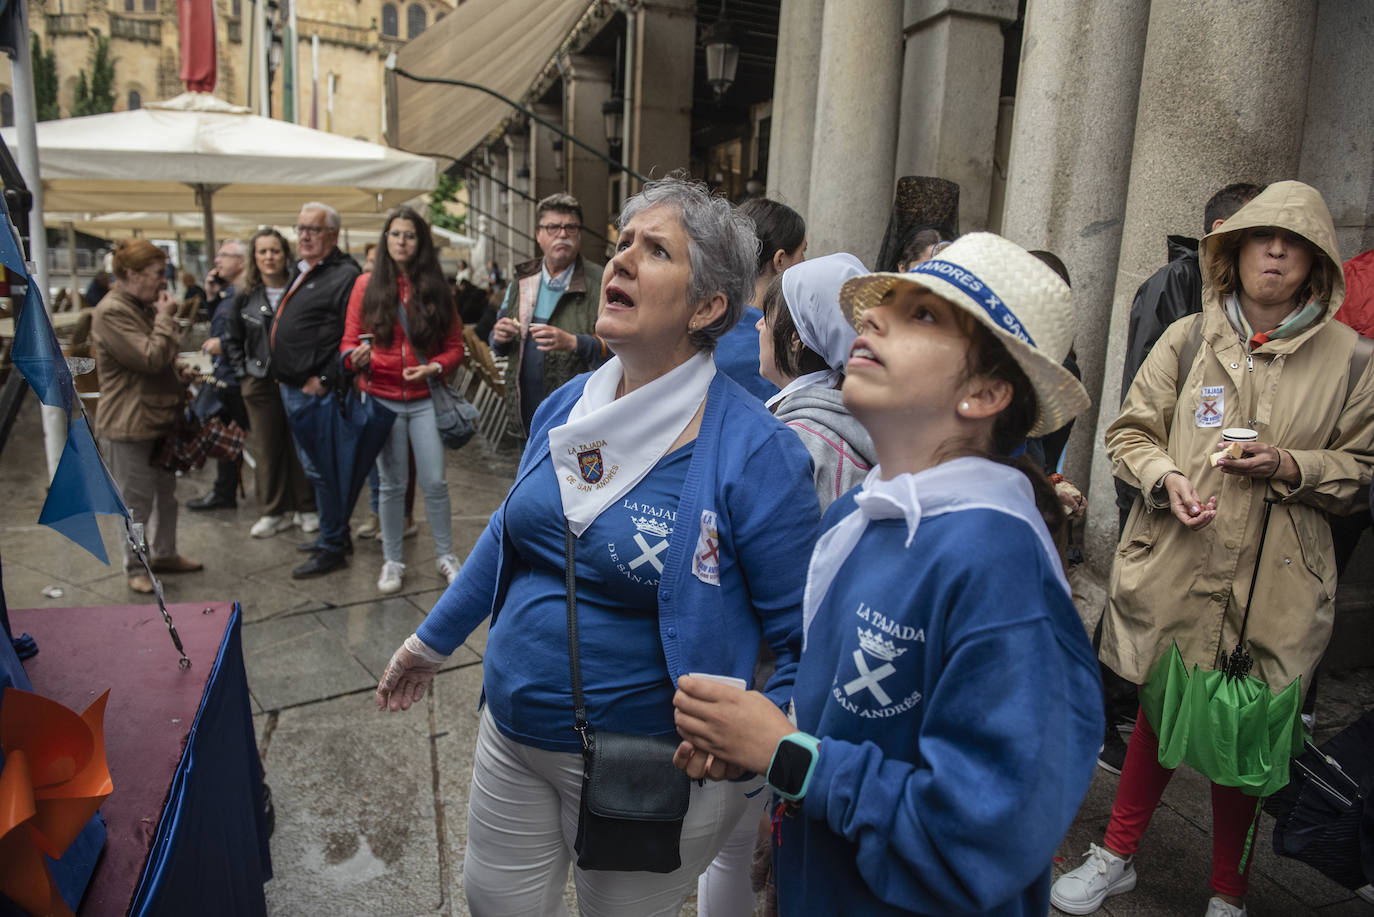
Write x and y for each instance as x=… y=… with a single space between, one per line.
x=390 y=26
x=6 y=110
x=135 y=100
x=415 y=20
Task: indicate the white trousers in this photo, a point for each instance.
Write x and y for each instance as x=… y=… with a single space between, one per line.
x=522 y=822
x=725 y=889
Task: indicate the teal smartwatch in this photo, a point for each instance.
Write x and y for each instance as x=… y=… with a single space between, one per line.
x=794 y=761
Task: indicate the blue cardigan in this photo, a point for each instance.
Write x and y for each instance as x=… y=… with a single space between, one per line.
x=755 y=475
x=957 y=700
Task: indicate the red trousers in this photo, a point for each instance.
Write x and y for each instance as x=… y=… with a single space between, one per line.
x=1143 y=780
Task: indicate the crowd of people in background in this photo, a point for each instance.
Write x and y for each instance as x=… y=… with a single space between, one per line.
x=837 y=489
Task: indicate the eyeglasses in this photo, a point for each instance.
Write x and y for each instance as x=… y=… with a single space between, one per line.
x=558 y=229
x=311 y=230
x=401 y=234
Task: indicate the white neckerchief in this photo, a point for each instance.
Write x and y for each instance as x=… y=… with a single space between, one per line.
x=822 y=377
x=965 y=483
x=608 y=444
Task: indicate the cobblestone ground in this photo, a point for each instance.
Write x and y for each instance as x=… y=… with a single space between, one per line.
x=371 y=808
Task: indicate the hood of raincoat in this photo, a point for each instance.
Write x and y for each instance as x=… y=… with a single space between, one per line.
x=1289 y=205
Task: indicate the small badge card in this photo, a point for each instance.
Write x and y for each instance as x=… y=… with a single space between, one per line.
x=706 y=557
x=1211 y=406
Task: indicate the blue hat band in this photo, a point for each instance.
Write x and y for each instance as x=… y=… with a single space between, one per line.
x=979 y=292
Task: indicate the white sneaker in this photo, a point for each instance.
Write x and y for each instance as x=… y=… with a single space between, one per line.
x=1218 y=908
x=390 y=580
x=268 y=526
x=309 y=522
x=448 y=567
x=1082 y=890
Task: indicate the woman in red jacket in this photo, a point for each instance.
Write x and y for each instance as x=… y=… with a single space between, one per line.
x=396 y=355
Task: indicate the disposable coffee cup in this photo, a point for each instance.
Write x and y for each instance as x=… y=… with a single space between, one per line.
x=723 y=679
x=1239 y=435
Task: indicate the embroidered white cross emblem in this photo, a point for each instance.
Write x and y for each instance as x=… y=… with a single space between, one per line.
x=869 y=679
x=650 y=555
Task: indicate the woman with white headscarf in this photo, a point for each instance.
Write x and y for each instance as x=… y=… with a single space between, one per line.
x=804 y=343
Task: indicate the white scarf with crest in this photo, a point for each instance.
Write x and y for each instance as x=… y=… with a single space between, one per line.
x=608 y=444
x=964 y=483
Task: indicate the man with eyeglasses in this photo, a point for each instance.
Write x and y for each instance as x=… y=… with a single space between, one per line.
x=305 y=335
x=548 y=321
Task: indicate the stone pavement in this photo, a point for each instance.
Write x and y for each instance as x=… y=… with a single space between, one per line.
x=371 y=807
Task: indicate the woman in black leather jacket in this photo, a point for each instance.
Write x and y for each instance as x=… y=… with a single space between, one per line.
x=285 y=494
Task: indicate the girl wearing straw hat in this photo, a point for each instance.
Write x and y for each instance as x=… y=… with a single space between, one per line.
x=946 y=703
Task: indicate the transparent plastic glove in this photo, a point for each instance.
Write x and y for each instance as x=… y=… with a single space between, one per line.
x=408 y=675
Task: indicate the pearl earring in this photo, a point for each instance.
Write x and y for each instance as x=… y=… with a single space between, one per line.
x=963 y=405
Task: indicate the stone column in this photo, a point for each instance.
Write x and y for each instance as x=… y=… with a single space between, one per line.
x=660 y=87
x=520 y=235
x=1223 y=95
x=1338 y=135
x=1079 y=78
x=856 y=127
x=795 y=78
x=951 y=84
x=545 y=178
x=586 y=86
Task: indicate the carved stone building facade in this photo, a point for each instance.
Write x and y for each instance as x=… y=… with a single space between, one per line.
x=351 y=38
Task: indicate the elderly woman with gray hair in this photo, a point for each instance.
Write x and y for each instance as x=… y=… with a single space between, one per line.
x=681 y=514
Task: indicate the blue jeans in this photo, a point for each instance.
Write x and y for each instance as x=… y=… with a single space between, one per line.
x=333 y=515
x=414 y=429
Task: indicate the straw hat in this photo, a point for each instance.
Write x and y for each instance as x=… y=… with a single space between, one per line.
x=1013 y=294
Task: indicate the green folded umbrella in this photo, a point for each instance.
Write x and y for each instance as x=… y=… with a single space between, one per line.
x=1232 y=729
x=1226 y=723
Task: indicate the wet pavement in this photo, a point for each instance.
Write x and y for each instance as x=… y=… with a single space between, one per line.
x=371 y=808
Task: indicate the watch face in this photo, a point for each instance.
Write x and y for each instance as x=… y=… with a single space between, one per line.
x=790 y=765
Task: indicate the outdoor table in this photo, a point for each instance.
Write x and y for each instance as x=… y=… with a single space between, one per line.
x=186 y=832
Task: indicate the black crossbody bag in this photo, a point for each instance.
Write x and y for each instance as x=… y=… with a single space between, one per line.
x=454 y=416
x=633 y=799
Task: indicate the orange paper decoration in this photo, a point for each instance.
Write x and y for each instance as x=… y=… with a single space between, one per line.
x=55 y=778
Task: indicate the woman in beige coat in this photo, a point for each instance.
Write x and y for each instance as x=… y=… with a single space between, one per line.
x=1266 y=355
x=135 y=339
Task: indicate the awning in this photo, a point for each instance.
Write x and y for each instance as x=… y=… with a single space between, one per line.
x=501 y=44
x=148 y=160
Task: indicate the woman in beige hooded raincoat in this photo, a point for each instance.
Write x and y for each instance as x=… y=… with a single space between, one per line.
x=1267 y=357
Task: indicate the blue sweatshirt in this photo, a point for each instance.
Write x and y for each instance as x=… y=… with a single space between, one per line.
x=958 y=704
x=751 y=477
x=624 y=680
x=737 y=355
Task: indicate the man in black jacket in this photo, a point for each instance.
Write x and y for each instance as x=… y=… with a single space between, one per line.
x=305 y=335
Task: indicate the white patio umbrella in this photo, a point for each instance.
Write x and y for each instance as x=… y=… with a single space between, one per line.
x=197 y=152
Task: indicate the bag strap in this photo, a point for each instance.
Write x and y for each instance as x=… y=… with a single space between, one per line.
x=1359 y=362
x=574 y=660
x=1187 y=355
x=405 y=328
x=1237 y=665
